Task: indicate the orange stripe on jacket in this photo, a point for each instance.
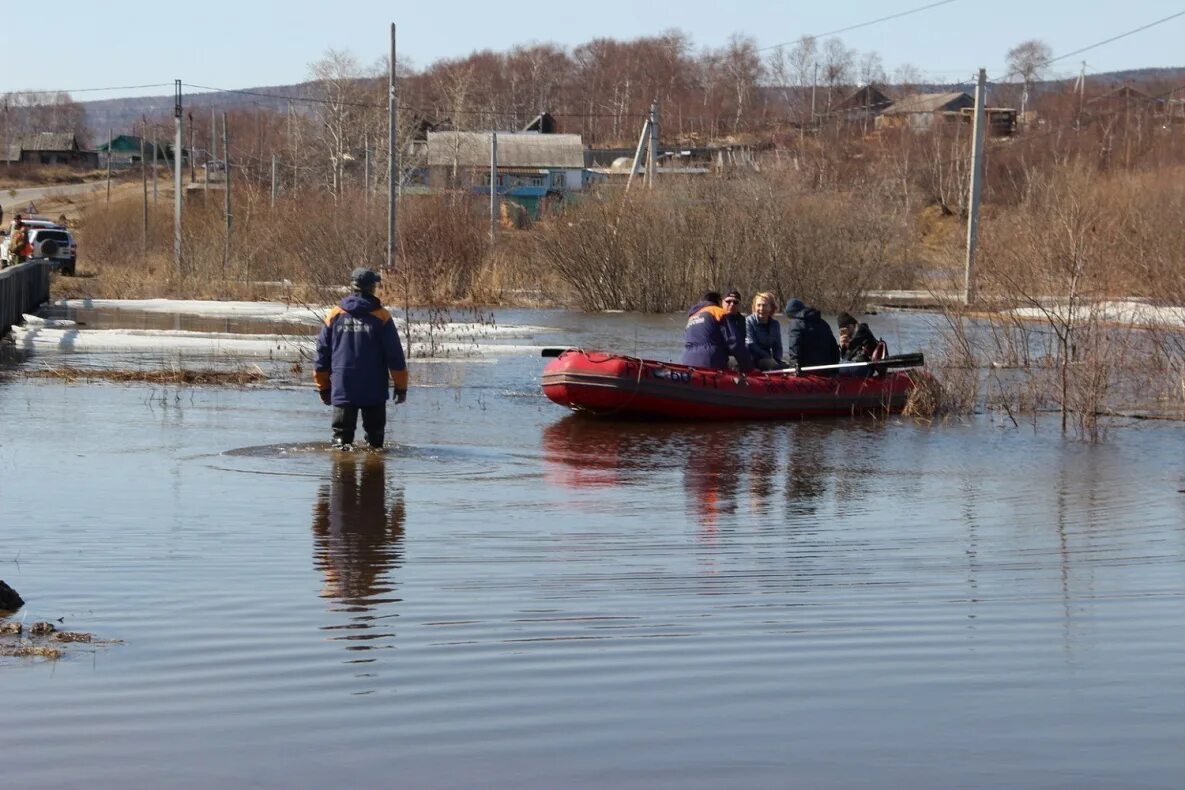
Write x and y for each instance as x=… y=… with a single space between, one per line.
x=716 y=312
x=321 y=377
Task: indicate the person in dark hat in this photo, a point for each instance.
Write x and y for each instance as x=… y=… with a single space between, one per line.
x=809 y=339
x=734 y=331
x=856 y=341
x=708 y=341
x=358 y=348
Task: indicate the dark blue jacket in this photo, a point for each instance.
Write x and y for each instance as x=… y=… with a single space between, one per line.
x=733 y=327
x=810 y=340
x=704 y=343
x=357 y=350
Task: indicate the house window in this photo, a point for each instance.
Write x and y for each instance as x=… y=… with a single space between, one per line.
x=528 y=181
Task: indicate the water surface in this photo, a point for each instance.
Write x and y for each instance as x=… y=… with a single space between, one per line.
x=511 y=596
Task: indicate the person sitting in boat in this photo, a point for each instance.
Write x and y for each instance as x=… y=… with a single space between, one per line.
x=763 y=334
x=704 y=342
x=810 y=341
x=734 y=332
x=856 y=341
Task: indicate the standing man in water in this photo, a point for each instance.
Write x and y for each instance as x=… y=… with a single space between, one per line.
x=357 y=349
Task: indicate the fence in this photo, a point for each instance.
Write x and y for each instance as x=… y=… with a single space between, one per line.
x=23 y=289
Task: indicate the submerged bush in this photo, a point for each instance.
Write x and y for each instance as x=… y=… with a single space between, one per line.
x=660 y=250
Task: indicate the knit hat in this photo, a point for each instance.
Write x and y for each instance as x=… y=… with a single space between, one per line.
x=795 y=306
x=733 y=294
x=845 y=319
x=364 y=278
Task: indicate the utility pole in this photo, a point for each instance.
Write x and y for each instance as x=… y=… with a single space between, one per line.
x=392 y=151
x=638 y=153
x=191 y=149
x=814 y=89
x=1081 y=91
x=366 y=169
x=110 y=140
x=144 y=184
x=273 y=180
x=155 y=148
x=652 y=154
x=493 y=186
x=177 y=176
x=977 y=136
x=226 y=194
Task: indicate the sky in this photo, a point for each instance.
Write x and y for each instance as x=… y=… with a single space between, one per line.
x=250 y=44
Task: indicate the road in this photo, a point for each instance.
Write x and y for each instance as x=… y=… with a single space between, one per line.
x=15 y=200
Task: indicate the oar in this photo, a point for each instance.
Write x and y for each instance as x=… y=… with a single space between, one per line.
x=915 y=360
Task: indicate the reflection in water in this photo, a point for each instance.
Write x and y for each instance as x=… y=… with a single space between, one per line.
x=723 y=463
x=358 y=532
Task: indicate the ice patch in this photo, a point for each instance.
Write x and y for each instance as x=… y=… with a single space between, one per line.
x=1118 y=312
x=259 y=311
x=45 y=340
x=36 y=320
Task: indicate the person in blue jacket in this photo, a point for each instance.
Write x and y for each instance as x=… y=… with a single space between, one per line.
x=810 y=340
x=704 y=344
x=358 y=348
x=763 y=333
x=734 y=331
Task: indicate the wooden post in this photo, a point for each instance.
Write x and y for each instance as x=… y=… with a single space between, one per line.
x=976 y=189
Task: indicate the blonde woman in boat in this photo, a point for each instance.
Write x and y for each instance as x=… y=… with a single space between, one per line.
x=763 y=333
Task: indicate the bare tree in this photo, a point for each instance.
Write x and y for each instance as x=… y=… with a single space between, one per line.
x=871 y=69
x=907 y=74
x=1028 y=60
x=744 y=68
x=337 y=76
x=837 y=66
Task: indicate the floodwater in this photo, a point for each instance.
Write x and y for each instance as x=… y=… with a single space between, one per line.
x=510 y=596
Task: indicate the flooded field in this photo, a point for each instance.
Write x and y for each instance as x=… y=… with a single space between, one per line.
x=512 y=596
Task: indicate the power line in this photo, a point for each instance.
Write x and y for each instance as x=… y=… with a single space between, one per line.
x=869 y=23
x=1106 y=41
x=1131 y=32
x=87 y=90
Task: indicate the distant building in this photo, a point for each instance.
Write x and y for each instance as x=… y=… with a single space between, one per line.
x=922 y=111
x=866 y=103
x=532 y=167
x=125 y=150
x=50 y=148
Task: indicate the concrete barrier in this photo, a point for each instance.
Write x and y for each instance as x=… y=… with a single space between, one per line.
x=23 y=289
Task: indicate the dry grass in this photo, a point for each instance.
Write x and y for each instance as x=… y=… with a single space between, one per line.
x=658 y=251
x=20 y=176
x=176 y=376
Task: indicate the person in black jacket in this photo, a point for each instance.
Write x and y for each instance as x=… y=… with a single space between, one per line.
x=733 y=326
x=810 y=340
x=856 y=341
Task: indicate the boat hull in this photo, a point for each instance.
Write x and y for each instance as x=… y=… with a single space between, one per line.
x=609 y=384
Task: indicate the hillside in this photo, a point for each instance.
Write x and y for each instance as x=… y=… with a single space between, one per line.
x=121 y=114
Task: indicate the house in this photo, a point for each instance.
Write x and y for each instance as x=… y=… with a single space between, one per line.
x=126 y=148
x=866 y=103
x=50 y=148
x=531 y=167
x=921 y=111
x=1001 y=121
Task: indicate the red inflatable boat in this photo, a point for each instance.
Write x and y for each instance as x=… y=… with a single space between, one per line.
x=609 y=384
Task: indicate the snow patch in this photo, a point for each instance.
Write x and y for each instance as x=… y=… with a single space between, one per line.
x=1117 y=312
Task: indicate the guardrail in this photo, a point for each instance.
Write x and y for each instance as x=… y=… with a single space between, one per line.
x=23 y=288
